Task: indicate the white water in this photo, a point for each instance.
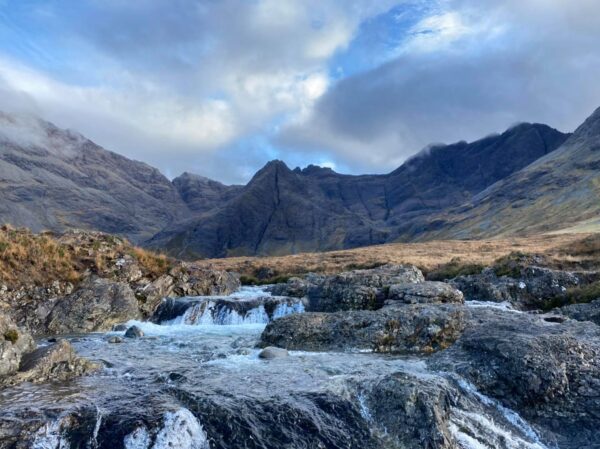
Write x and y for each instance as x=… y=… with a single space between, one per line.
x=505 y=305
x=180 y=430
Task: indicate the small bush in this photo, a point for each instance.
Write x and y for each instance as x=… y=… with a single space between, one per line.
x=575 y=295
x=510 y=265
x=11 y=335
x=248 y=280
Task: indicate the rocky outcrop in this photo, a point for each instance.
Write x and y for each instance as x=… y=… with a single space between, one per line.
x=351 y=290
x=186 y=279
x=96 y=306
x=582 y=312
x=548 y=371
x=14 y=343
x=411 y=329
x=527 y=288
x=51 y=363
x=20 y=361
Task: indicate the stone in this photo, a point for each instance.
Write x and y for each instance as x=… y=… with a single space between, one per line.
x=272 y=352
x=134 y=332
x=115 y=339
x=14 y=343
x=412 y=329
x=582 y=312
x=427 y=292
x=547 y=371
x=119 y=328
x=532 y=287
x=54 y=362
x=97 y=305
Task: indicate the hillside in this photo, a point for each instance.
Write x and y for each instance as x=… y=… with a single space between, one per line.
x=56 y=179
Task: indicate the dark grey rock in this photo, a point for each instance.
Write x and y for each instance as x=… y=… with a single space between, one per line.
x=14 y=343
x=582 y=312
x=97 y=305
x=411 y=329
x=115 y=339
x=134 y=332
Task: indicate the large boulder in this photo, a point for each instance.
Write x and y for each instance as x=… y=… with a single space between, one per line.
x=424 y=293
x=547 y=370
x=97 y=305
x=527 y=288
x=410 y=329
x=14 y=343
x=351 y=290
x=54 y=362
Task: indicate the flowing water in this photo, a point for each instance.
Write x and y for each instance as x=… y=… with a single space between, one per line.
x=197 y=382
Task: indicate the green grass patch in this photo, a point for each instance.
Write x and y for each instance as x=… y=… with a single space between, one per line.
x=453 y=269
x=11 y=335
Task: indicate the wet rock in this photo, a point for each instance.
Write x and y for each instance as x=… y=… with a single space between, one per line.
x=272 y=352
x=115 y=339
x=582 y=312
x=119 y=328
x=96 y=306
x=527 y=288
x=134 y=332
x=405 y=330
x=14 y=343
x=424 y=293
x=186 y=279
x=295 y=287
x=54 y=362
x=547 y=371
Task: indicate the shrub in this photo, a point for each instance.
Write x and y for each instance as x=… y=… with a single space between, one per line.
x=11 y=335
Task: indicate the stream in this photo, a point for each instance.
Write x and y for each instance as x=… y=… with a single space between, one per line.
x=196 y=381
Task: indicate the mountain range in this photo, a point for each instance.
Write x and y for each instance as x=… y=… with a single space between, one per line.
x=529 y=179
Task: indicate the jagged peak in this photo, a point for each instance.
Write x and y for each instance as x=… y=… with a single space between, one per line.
x=589 y=128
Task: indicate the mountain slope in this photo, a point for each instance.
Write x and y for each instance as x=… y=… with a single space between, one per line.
x=560 y=190
x=284 y=211
x=56 y=179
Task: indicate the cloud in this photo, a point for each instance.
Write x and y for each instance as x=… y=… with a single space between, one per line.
x=464 y=70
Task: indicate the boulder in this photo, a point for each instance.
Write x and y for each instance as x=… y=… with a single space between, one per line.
x=424 y=293
x=186 y=279
x=548 y=371
x=411 y=329
x=14 y=343
x=50 y=363
x=582 y=312
x=115 y=339
x=134 y=332
x=528 y=288
x=97 y=305
x=351 y=290
x=272 y=352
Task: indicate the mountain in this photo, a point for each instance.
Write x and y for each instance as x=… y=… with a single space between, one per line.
x=284 y=211
x=203 y=194
x=57 y=179
x=558 y=191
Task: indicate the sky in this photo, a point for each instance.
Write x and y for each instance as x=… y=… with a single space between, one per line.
x=220 y=87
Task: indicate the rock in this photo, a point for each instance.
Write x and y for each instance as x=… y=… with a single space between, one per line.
x=411 y=329
x=14 y=343
x=352 y=290
x=531 y=288
x=272 y=352
x=225 y=310
x=119 y=328
x=115 y=339
x=582 y=312
x=547 y=371
x=50 y=363
x=97 y=305
x=134 y=332
x=186 y=279
x=424 y=293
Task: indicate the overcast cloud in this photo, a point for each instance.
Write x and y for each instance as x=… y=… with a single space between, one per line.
x=220 y=87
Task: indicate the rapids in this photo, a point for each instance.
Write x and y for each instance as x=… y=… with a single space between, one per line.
x=199 y=383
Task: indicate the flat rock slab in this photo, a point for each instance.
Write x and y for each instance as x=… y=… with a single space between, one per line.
x=411 y=329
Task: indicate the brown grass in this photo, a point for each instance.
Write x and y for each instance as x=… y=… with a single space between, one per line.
x=39 y=259
x=429 y=256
